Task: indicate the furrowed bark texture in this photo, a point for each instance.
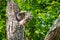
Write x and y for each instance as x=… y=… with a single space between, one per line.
x=14 y=32
x=15 y=22
x=54 y=32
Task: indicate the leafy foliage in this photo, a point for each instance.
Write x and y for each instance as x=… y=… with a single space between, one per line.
x=2 y=20
x=44 y=13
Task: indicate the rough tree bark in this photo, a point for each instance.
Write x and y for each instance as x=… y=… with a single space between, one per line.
x=16 y=21
x=54 y=32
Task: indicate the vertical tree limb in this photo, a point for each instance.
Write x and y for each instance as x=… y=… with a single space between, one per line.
x=16 y=21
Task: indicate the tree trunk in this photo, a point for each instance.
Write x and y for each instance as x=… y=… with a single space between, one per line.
x=54 y=32
x=15 y=22
x=14 y=31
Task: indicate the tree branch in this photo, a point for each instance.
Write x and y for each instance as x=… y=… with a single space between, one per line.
x=54 y=32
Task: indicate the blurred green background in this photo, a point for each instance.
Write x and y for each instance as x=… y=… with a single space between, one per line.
x=44 y=13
